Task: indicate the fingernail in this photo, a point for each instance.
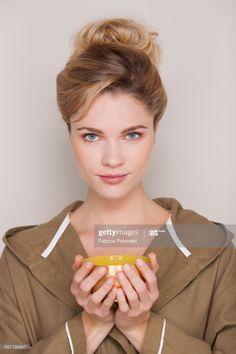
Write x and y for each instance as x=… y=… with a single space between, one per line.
x=110 y=281
x=140 y=262
x=121 y=275
x=101 y=270
x=89 y=265
x=126 y=267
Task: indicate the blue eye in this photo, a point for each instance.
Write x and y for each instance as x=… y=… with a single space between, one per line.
x=133 y=133
x=87 y=134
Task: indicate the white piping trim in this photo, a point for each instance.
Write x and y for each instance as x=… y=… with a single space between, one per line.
x=175 y=238
x=56 y=237
x=69 y=337
x=162 y=336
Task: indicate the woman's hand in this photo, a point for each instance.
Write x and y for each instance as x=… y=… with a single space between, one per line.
x=136 y=296
x=98 y=304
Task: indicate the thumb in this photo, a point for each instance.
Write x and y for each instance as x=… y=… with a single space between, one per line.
x=77 y=262
x=154 y=264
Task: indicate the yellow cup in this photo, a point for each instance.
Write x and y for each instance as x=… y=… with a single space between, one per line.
x=114 y=264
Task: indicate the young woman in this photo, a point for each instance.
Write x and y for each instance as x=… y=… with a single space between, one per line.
x=111 y=97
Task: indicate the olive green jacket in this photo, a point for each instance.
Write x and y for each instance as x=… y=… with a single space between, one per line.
x=194 y=314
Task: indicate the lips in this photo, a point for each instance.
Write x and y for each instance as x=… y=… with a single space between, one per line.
x=113 y=176
x=113 y=179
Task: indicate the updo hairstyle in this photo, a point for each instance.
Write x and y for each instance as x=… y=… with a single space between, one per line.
x=115 y=55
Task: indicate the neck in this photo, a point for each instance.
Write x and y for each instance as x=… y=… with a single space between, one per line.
x=135 y=208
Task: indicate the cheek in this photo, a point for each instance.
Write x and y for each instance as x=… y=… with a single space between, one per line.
x=81 y=151
x=143 y=151
x=82 y=154
x=142 y=162
x=85 y=158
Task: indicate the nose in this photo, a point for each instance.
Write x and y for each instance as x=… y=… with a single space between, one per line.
x=112 y=154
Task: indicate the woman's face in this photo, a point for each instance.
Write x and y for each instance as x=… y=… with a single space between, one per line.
x=110 y=143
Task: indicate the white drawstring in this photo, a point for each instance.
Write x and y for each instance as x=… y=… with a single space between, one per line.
x=175 y=238
x=56 y=237
x=69 y=337
x=162 y=336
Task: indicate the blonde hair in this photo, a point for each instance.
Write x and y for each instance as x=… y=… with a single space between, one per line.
x=111 y=55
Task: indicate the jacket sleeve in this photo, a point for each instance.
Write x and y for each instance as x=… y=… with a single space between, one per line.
x=68 y=338
x=164 y=337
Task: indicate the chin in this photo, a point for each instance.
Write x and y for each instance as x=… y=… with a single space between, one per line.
x=113 y=195
x=112 y=192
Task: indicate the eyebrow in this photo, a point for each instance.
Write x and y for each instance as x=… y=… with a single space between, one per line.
x=134 y=127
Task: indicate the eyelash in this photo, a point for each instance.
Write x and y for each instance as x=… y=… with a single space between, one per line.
x=91 y=141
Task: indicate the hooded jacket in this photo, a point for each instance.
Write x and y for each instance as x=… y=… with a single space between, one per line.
x=194 y=314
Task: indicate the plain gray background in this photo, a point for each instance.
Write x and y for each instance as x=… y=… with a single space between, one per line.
x=194 y=157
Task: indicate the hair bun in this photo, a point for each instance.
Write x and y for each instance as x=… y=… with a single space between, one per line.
x=118 y=31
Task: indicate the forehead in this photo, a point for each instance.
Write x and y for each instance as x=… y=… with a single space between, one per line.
x=115 y=109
